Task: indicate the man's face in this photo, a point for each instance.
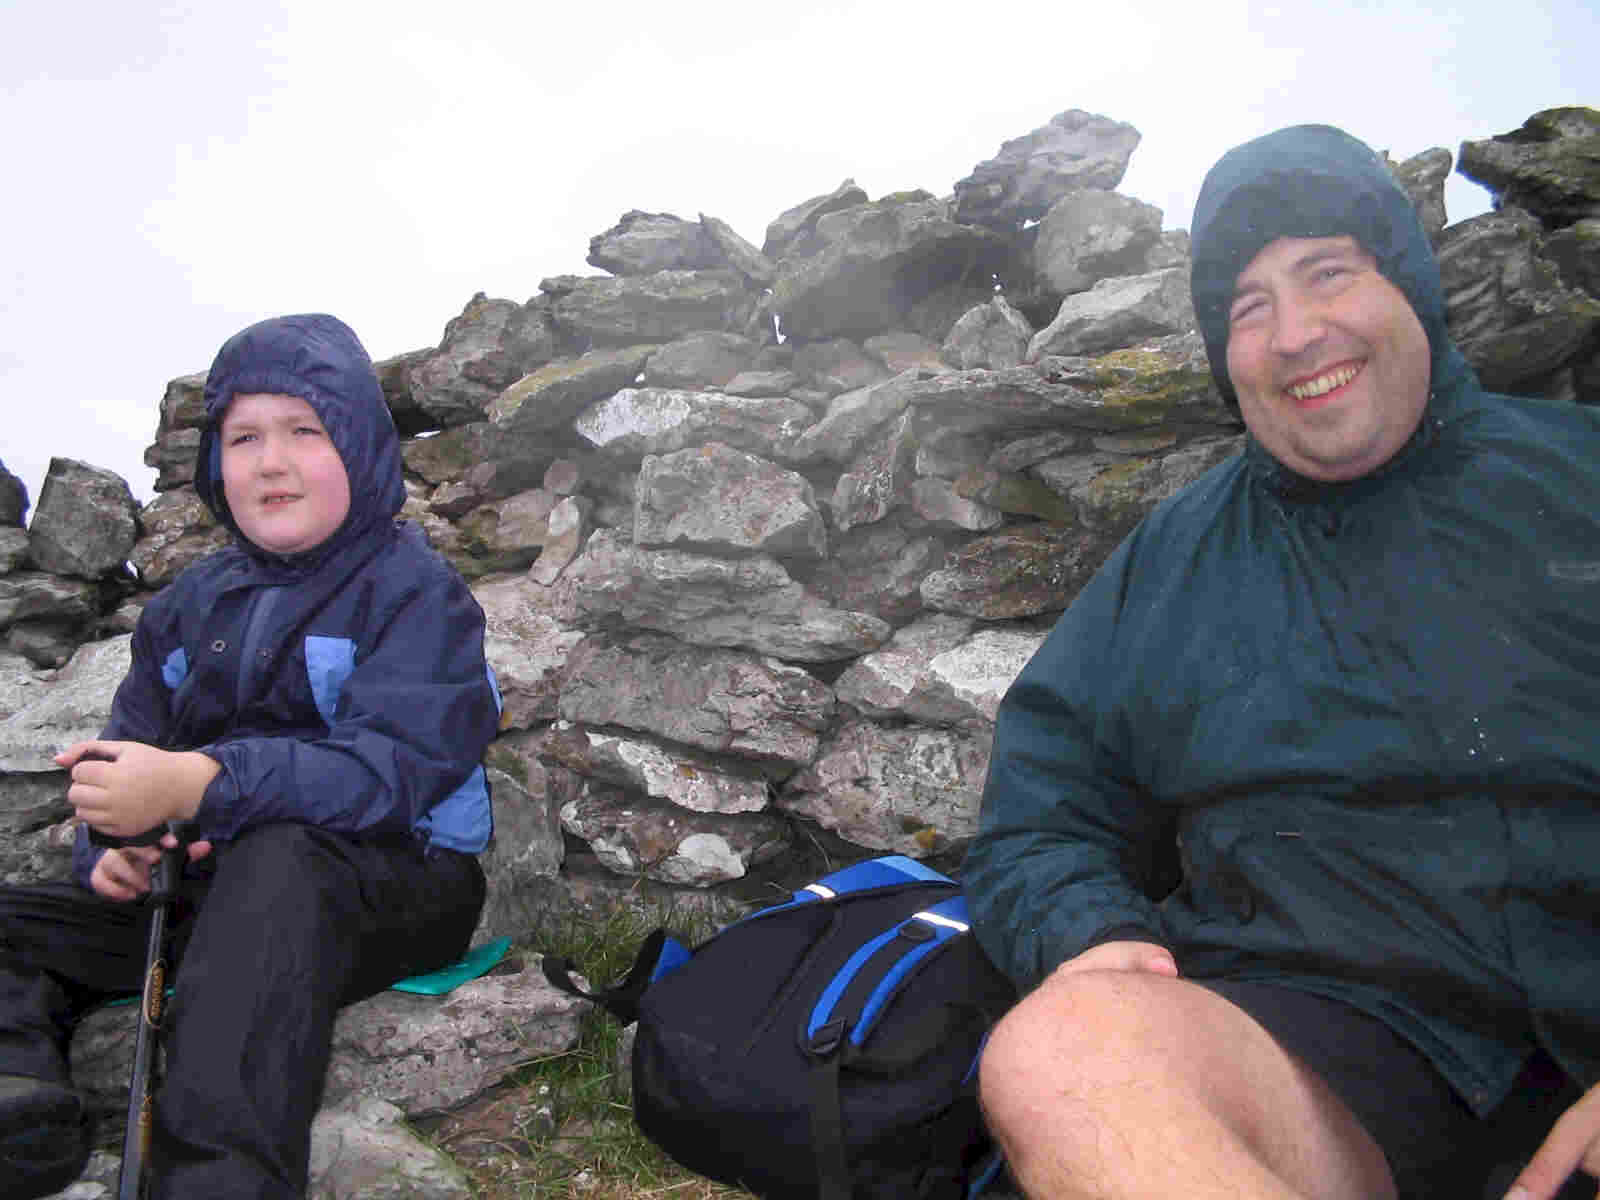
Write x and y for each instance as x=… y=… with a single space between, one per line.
x=1330 y=362
x=284 y=482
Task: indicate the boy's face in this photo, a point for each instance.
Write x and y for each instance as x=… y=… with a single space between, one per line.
x=1330 y=363
x=284 y=482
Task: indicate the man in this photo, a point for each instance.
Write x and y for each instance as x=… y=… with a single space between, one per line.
x=1353 y=675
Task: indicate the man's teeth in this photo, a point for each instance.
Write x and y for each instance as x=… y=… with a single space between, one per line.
x=1323 y=384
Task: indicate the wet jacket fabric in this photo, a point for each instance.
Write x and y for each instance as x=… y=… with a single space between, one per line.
x=1367 y=713
x=344 y=687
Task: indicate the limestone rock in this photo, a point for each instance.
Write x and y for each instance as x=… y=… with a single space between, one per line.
x=642 y=243
x=600 y=311
x=1016 y=572
x=1008 y=492
x=835 y=365
x=487 y=348
x=492 y=462
x=1118 y=312
x=43 y=643
x=428 y=1053
x=42 y=855
x=183 y=416
x=526 y=646
x=172 y=455
x=30 y=802
x=779 y=382
x=566 y=530
x=902 y=350
x=876 y=569
x=1575 y=251
x=1075 y=150
x=675 y=774
x=1110 y=494
x=937 y=502
x=506 y=536
x=1550 y=166
x=852 y=417
x=634 y=835
x=1509 y=310
x=801 y=220
x=640 y=421
x=992 y=335
x=394 y=377
x=86 y=522
x=738 y=253
x=1090 y=235
x=906 y=790
x=940 y=672
x=724 y=701
x=74 y=708
x=724 y=501
x=877 y=261
x=33 y=595
x=1423 y=177
x=20 y=683
x=13 y=548
x=878 y=480
x=361 y=1149
x=527 y=849
x=178 y=529
x=701 y=360
x=548 y=398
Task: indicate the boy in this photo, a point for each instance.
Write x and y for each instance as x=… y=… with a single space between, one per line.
x=313 y=702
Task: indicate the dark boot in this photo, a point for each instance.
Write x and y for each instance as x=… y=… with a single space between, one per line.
x=44 y=1143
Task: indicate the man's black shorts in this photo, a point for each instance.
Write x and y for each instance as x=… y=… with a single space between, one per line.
x=1435 y=1145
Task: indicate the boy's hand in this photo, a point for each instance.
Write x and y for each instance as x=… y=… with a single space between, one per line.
x=124 y=873
x=125 y=788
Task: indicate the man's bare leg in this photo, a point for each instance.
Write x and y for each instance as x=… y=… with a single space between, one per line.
x=1111 y=1084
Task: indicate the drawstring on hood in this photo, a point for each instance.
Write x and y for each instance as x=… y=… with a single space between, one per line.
x=319 y=359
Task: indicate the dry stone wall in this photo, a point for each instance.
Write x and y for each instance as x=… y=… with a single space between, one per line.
x=762 y=534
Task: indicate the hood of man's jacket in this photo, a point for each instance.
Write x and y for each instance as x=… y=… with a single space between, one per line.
x=320 y=359
x=1310 y=181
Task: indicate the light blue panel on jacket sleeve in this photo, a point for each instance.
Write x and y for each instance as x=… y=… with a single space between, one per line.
x=176 y=669
x=462 y=820
x=329 y=661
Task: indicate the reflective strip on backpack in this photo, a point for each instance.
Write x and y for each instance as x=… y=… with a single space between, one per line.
x=943 y=921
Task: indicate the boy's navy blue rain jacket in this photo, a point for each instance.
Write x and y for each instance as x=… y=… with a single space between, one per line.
x=343 y=687
x=1369 y=711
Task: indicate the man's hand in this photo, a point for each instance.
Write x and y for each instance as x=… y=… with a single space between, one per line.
x=1123 y=956
x=124 y=873
x=125 y=788
x=1573 y=1142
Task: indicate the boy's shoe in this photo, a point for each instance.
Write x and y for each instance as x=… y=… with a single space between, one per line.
x=43 y=1140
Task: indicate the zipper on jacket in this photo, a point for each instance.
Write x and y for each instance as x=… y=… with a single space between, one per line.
x=250 y=649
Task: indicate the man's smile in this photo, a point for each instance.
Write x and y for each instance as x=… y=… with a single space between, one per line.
x=1318 y=386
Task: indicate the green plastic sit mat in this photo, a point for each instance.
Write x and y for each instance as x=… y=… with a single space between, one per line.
x=445 y=979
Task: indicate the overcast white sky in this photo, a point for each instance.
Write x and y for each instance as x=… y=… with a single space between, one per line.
x=173 y=172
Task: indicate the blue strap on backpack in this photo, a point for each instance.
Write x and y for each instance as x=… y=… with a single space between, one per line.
x=824 y=1048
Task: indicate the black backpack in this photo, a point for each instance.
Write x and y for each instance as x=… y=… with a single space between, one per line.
x=824 y=1048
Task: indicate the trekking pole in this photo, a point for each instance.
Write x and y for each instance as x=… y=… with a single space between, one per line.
x=152 y=1004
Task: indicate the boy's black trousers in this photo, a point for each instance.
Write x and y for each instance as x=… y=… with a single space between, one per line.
x=273 y=934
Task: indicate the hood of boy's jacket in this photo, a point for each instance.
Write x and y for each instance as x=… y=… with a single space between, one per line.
x=318 y=358
x=1310 y=181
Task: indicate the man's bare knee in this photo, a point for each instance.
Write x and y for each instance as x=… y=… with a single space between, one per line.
x=1094 y=1071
